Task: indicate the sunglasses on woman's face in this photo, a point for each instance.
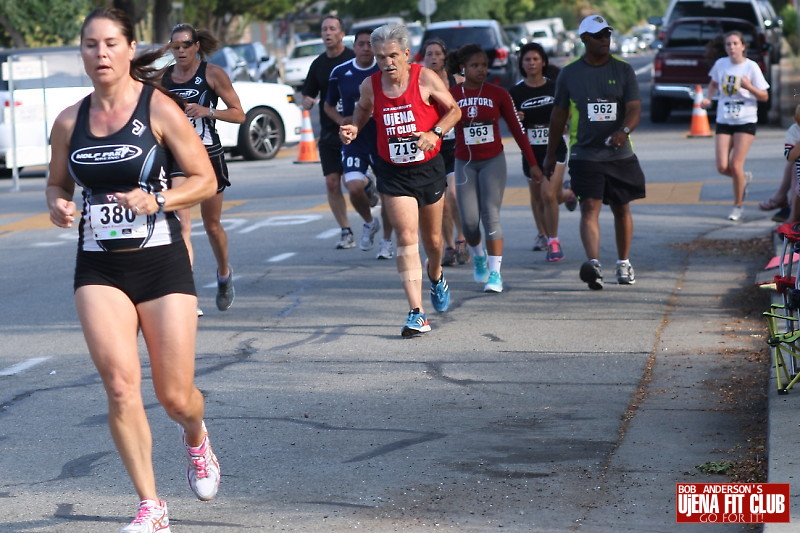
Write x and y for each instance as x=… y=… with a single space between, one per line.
x=177 y=45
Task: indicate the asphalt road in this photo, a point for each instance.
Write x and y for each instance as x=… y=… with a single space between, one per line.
x=548 y=407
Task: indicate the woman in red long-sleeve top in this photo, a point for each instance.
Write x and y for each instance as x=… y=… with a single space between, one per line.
x=481 y=163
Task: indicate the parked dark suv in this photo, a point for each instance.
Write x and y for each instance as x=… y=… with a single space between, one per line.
x=686 y=57
x=760 y=13
x=487 y=33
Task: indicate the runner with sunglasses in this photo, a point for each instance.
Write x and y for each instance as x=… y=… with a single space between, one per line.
x=201 y=85
x=604 y=170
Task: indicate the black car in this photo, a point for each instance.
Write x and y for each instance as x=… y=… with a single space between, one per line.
x=490 y=35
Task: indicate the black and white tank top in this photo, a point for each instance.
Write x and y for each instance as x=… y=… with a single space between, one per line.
x=196 y=91
x=102 y=166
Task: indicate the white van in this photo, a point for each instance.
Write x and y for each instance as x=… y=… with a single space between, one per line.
x=35 y=85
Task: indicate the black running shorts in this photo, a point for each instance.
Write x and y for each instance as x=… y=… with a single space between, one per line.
x=615 y=182
x=143 y=275
x=424 y=181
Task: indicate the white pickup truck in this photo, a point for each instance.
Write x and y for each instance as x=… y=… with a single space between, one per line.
x=37 y=84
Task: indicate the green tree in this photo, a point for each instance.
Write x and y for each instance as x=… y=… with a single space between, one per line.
x=227 y=19
x=42 y=22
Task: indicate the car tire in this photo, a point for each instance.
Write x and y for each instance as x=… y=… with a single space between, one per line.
x=659 y=110
x=261 y=134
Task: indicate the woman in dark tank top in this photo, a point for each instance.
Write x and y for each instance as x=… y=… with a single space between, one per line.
x=132 y=271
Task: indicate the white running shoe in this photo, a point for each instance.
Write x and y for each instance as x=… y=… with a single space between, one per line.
x=368 y=234
x=346 y=240
x=203 y=471
x=386 y=250
x=736 y=214
x=150 y=518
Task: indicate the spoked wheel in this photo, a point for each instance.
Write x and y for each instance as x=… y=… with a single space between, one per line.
x=261 y=135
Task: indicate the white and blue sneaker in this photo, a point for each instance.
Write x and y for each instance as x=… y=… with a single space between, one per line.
x=440 y=294
x=494 y=283
x=480 y=269
x=416 y=324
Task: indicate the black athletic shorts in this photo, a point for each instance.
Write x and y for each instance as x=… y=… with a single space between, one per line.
x=615 y=182
x=425 y=181
x=730 y=129
x=330 y=153
x=540 y=152
x=143 y=275
x=217 y=156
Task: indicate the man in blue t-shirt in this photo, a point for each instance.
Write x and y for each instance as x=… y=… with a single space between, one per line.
x=343 y=93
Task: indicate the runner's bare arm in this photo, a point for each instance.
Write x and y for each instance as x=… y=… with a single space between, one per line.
x=432 y=85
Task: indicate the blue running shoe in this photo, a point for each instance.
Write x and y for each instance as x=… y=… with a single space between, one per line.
x=495 y=282
x=480 y=269
x=416 y=324
x=440 y=295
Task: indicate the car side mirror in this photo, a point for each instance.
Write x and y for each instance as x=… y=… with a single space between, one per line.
x=264 y=58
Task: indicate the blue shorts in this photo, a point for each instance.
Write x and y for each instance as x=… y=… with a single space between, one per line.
x=356 y=158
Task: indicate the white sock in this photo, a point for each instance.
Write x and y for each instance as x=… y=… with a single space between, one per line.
x=623 y=261
x=477 y=251
x=494 y=262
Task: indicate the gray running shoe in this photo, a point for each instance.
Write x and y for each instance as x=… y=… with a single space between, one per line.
x=225 y=291
x=386 y=250
x=540 y=244
x=371 y=191
x=625 y=274
x=346 y=241
x=462 y=253
x=592 y=274
x=449 y=258
x=368 y=234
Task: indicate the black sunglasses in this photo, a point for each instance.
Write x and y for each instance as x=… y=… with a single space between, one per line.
x=602 y=34
x=177 y=45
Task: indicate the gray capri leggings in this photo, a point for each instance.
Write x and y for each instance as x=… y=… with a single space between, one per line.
x=480 y=186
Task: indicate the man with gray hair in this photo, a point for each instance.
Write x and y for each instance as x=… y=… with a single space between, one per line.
x=413 y=109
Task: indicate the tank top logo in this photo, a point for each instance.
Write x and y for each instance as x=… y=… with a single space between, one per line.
x=198 y=80
x=472 y=111
x=186 y=94
x=138 y=127
x=107 y=154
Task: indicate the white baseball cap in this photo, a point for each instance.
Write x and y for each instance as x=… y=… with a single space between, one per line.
x=593 y=24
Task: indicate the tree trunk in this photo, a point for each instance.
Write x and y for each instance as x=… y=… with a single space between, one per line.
x=161 y=29
x=16 y=36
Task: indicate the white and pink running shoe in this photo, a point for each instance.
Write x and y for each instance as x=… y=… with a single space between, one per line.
x=203 y=471
x=151 y=518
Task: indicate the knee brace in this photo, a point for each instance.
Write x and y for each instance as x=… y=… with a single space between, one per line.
x=408 y=263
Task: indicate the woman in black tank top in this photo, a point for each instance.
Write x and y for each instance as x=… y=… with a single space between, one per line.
x=131 y=273
x=201 y=84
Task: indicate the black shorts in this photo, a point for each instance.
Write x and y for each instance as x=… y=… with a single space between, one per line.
x=330 y=153
x=217 y=156
x=730 y=129
x=615 y=182
x=425 y=181
x=142 y=275
x=540 y=152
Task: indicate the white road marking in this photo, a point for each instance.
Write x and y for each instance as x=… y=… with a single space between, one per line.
x=281 y=257
x=333 y=232
x=23 y=366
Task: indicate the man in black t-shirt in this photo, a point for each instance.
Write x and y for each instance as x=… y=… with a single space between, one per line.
x=330 y=147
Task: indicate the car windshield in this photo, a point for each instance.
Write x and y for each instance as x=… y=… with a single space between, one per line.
x=304 y=50
x=46 y=69
x=247 y=52
x=459 y=36
x=737 y=10
x=698 y=33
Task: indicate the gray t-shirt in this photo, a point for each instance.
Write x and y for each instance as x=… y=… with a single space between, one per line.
x=596 y=97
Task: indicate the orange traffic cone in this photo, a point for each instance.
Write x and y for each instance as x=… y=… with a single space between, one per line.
x=308 y=148
x=699 y=126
